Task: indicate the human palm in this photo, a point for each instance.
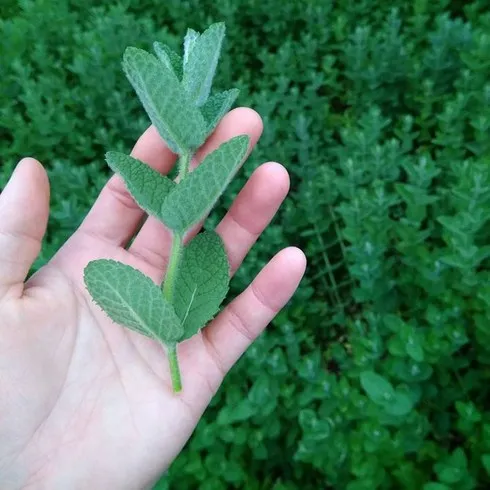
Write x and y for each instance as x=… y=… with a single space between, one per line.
x=84 y=402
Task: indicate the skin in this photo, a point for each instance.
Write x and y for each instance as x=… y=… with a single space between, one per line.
x=84 y=402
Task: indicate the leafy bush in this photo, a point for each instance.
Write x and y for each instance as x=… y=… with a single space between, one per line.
x=377 y=374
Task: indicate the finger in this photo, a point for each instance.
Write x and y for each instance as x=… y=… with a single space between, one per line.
x=153 y=241
x=115 y=216
x=239 y=324
x=252 y=211
x=24 y=211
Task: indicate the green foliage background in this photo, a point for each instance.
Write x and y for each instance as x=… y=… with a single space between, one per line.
x=377 y=375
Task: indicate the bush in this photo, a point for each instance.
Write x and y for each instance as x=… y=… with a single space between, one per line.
x=377 y=374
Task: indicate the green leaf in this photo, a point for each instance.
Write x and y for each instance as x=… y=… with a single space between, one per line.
x=237 y=412
x=147 y=186
x=414 y=349
x=202 y=282
x=414 y=196
x=217 y=106
x=190 y=40
x=458 y=459
x=132 y=299
x=194 y=197
x=169 y=57
x=454 y=468
x=378 y=388
x=201 y=54
x=468 y=411
x=450 y=475
x=486 y=462
x=168 y=106
x=401 y=404
x=452 y=224
x=435 y=486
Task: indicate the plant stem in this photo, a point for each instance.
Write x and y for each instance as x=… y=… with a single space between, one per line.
x=168 y=287
x=184 y=163
x=173 y=268
x=174 y=368
x=168 y=290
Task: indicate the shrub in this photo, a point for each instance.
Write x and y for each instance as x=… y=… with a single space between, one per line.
x=377 y=374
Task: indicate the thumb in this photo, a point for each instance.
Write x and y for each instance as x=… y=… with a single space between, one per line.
x=24 y=211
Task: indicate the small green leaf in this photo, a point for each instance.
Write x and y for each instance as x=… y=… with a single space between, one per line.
x=378 y=388
x=194 y=197
x=174 y=115
x=468 y=411
x=217 y=106
x=414 y=349
x=147 y=186
x=132 y=299
x=202 y=282
x=454 y=468
x=169 y=57
x=237 y=412
x=201 y=54
x=401 y=404
x=190 y=40
x=450 y=475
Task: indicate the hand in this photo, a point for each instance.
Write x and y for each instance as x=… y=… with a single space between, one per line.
x=84 y=402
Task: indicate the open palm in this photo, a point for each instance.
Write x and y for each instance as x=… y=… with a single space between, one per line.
x=84 y=402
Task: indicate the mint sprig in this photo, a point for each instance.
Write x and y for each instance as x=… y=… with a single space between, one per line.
x=175 y=92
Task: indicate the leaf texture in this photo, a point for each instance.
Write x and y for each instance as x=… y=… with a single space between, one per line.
x=202 y=282
x=194 y=197
x=147 y=186
x=169 y=58
x=216 y=107
x=189 y=42
x=132 y=299
x=202 y=55
x=168 y=106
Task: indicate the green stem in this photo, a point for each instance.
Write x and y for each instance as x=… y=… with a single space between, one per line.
x=168 y=287
x=174 y=368
x=184 y=163
x=173 y=268
x=168 y=290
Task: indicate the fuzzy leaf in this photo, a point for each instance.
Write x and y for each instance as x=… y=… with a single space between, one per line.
x=189 y=42
x=168 y=106
x=202 y=282
x=132 y=299
x=194 y=197
x=201 y=55
x=169 y=57
x=147 y=186
x=217 y=106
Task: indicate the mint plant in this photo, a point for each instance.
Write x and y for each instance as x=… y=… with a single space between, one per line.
x=176 y=94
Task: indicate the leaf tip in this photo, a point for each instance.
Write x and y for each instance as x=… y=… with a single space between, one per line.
x=109 y=155
x=130 y=51
x=111 y=158
x=243 y=141
x=132 y=56
x=217 y=26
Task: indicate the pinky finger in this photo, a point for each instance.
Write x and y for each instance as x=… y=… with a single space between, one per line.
x=231 y=333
